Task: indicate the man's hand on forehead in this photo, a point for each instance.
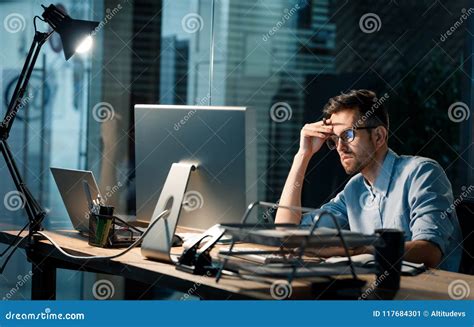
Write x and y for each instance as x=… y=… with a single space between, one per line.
x=329 y=122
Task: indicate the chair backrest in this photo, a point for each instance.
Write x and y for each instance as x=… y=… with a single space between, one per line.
x=465 y=213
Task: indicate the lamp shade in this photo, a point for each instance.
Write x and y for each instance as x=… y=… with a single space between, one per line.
x=72 y=31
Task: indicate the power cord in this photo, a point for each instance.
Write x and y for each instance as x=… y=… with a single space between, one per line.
x=15 y=246
x=161 y=215
x=129 y=226
x=14 y=241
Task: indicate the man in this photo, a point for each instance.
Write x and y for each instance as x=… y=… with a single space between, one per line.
x=408 y=193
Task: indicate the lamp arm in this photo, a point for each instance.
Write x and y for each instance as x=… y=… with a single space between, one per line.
x=22 y=83
x=33 y=209
x=36 y=214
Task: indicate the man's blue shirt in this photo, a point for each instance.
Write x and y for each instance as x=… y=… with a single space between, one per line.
x=410 y=193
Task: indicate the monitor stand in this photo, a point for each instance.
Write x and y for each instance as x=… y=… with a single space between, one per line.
x=158 y=242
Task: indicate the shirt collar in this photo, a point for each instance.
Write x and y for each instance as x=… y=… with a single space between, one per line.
x=382 y=181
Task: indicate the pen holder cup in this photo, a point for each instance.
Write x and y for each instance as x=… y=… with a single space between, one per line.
x=101 y=226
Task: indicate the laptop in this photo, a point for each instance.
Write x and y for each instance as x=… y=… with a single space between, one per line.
x=71 y=188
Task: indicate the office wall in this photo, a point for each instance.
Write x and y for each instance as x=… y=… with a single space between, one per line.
x=282 y=58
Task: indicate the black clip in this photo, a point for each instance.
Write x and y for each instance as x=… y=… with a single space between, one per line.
x=197 y=260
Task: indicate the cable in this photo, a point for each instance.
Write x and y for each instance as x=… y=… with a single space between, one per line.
x=16 y=237
x=161 y=215
x=129 y=226
x=11 y=253
x=15 y=244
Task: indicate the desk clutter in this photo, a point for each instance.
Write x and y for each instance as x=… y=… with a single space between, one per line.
x=282 y=251
x=109 y=231
x=277 y=250
x=105 y=229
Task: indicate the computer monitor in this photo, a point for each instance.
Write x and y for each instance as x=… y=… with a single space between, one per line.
x=219 y=140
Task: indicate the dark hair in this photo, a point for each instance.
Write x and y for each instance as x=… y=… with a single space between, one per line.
x=371 y=110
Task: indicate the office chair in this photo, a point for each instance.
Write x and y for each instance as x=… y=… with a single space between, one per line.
x=465 y=213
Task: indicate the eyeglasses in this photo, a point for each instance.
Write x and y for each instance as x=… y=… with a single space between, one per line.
x=346 y=136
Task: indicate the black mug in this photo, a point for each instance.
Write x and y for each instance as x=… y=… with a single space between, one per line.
x=389 y=253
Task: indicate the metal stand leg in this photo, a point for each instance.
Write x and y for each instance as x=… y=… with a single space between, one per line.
x=158 y=242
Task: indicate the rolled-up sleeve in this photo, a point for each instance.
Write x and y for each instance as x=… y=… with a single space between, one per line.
x=430 y=197
x=337 y=206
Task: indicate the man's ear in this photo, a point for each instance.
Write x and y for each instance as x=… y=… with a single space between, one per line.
x=380 y=136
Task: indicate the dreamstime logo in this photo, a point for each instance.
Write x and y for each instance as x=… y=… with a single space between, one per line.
x=102 y=112
x=14 y=201
x=14 y=23
x=370 y=23
x=375 y=284
x=193 y=289
x=270 y=210
x=287 y=14
x=25 y=101
x=377 y=104
x=458 y=112
x=459 y=289
x=22 y=280
x=464 y=16
x=367 y=201
x=466 y=191
x=111 y=190
x=109 y=14
x=103 y=289
x=280 y=112
x=281 y=289
x=201 y=102
x=192 y=23
x=184 y=120
x=193 y=200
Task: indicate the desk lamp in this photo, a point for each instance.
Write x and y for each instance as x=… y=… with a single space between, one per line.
x=75 y=37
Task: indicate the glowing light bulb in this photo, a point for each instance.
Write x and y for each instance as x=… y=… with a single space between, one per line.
x=85 y=45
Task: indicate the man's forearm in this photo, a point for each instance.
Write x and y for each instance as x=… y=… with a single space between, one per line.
x=421 y=251
x=291 y=195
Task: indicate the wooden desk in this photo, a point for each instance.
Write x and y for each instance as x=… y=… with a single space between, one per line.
x=45 y=259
